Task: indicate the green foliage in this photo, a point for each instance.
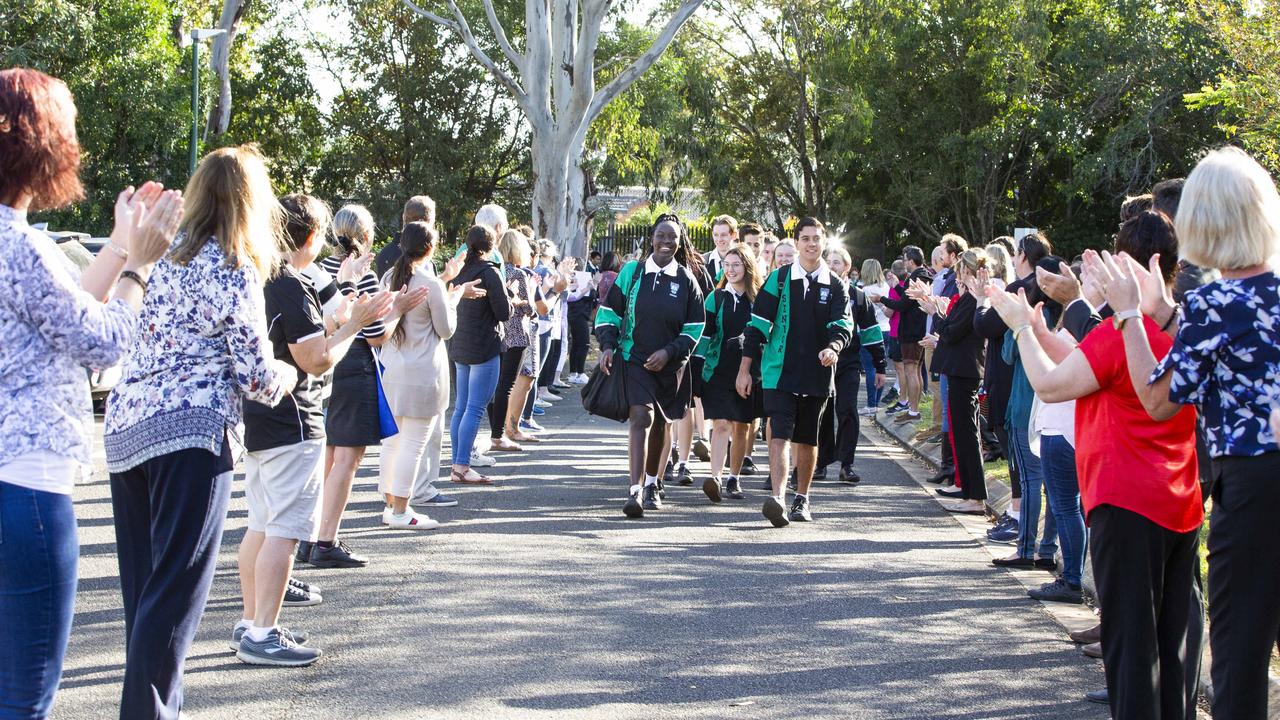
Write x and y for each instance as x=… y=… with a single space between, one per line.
x=1247 y=91
x=416 y=116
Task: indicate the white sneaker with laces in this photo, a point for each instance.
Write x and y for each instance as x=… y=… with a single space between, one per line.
x=541 y=403
x=479 y=459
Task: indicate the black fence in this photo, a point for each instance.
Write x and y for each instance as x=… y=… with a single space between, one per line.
x=631 y=237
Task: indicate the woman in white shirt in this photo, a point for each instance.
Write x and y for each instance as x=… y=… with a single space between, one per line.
x=873 y=283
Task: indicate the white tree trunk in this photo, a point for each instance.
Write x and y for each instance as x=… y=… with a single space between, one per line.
x=220 y=113
x=555 y=86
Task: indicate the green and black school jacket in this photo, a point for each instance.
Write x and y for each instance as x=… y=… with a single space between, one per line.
x=790 y=326
x=650 y=309
x=721 y=348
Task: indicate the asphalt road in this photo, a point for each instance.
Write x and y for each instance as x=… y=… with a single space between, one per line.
x=537 y=599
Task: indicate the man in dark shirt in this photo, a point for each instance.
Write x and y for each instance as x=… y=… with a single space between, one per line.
x=800 y=322
x=418 y=207
x=284 y=467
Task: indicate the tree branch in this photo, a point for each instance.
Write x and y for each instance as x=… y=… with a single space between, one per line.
x=460 y=26
x=644 y=62
x=498 y=32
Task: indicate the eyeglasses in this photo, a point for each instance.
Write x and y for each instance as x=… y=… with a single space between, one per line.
x=732 y=266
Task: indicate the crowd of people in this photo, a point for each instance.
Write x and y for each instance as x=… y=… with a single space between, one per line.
x=1124 y=388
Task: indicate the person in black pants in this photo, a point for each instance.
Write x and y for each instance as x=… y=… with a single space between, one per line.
x=958 y=355
x=841 y=445
x=581 y=302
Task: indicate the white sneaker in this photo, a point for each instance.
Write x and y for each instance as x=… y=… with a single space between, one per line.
x=479 y=459
x=578 y=379
x=413 y=521
x=386 y=515
x=549 y=396
x=541 y=403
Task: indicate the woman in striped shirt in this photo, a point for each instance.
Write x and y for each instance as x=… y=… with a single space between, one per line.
x=351 y=421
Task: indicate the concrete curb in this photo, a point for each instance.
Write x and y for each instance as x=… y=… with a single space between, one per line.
x=999 y=494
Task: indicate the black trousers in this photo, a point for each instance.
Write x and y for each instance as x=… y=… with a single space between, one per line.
x=508 y=370
x=1244 y=582
x=1151 y=614
x=1015 y=482
x=548 y=374
x=579 y=336
x=839 y=427
x=168 y=520
x=962 y=404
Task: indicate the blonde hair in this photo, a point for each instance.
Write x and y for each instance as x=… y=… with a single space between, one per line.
x=845 y=256
x=998 y=263
x=1229 y=215
x=872 y=272
x=513 y=246
x=728 y=221
x=970 y=261
x=229 y=200
x=353 y=226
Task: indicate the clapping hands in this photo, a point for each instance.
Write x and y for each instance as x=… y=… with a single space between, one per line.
x=146 y=221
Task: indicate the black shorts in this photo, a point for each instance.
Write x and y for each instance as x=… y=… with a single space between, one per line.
x=893 y=349
x=794 y=417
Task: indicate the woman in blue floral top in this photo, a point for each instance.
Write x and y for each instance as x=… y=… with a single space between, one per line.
x=172 y=420
x=55 y=325
x=1226 y=362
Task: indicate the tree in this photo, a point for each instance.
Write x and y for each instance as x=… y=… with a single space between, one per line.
x=553 y=81
x=413 y=115
x=1247 y=91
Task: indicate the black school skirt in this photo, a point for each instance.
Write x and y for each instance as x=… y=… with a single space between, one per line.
x=352 y=417
x=669 y=391
x=721 y=401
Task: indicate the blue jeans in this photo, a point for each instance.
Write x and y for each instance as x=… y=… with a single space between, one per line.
x=476 y=384
x=1058 y=459
x=1031 y=475
x=38 y=554
x=869 y=369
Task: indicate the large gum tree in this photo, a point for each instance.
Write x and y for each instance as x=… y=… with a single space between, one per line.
x=553 y=81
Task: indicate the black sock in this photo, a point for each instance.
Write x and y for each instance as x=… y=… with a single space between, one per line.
x=324 y=544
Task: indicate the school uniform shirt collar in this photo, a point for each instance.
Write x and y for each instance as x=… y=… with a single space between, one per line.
x=714 y=256
x=671 y=270
x=822 y=274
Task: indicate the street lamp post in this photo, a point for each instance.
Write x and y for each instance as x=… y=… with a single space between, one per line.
x=196 y=37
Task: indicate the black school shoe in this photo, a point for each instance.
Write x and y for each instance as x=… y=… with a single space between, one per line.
x=338 y=556
x=651 y=500
x=303 y=553
x=800 y=510
x=711 y=487
x=748 y=466
x=683 y=476
x=820 y=473
x=773 y=510
x=849 y=475
x=632 y=508
x=733 y=488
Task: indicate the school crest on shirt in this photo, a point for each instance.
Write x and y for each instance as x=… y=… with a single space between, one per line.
x=824 y=294
x=675 y=288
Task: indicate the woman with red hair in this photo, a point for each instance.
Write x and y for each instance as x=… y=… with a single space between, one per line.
x=55 y=325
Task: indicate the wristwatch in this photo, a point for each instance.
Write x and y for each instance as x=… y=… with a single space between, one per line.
x=1122 y=317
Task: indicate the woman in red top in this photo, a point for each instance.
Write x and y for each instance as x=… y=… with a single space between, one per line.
x=1139 y=488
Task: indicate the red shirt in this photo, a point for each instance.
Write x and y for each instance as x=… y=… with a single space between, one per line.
x=1123 y=457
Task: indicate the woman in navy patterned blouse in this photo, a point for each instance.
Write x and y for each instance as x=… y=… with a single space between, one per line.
x=55 y=325
x=1226 y=362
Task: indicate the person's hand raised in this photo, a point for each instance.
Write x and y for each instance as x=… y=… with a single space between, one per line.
x=354 y=267
x=368 y=309
x=452 y=267
x=406 y=299
x=1062 y=287
x=155 y=226
x=1014 y=310
x=468 y=290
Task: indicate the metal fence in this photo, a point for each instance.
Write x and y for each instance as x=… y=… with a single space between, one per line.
x=631 y=237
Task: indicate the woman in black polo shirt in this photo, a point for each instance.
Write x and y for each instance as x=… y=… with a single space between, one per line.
x=476 y=348
x=652 y=320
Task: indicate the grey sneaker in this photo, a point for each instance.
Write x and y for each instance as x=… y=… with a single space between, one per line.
x=711 y=487
x=276 y=649
x=1058 y=591
x=800 y=510
x=297 y=636
x=649 y=499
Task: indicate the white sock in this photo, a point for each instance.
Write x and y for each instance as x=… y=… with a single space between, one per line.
x=1015 y=514
x=246 y=624
x=402 y=517
x=650 y=480
x=257 y=634
x=635 y=489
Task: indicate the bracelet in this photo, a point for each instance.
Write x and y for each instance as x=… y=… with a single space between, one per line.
x=116 y=250
x=131 y=275
x=1019 y=330
x=1177 y=310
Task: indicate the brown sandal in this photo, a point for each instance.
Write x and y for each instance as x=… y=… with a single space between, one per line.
x=464 y=479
